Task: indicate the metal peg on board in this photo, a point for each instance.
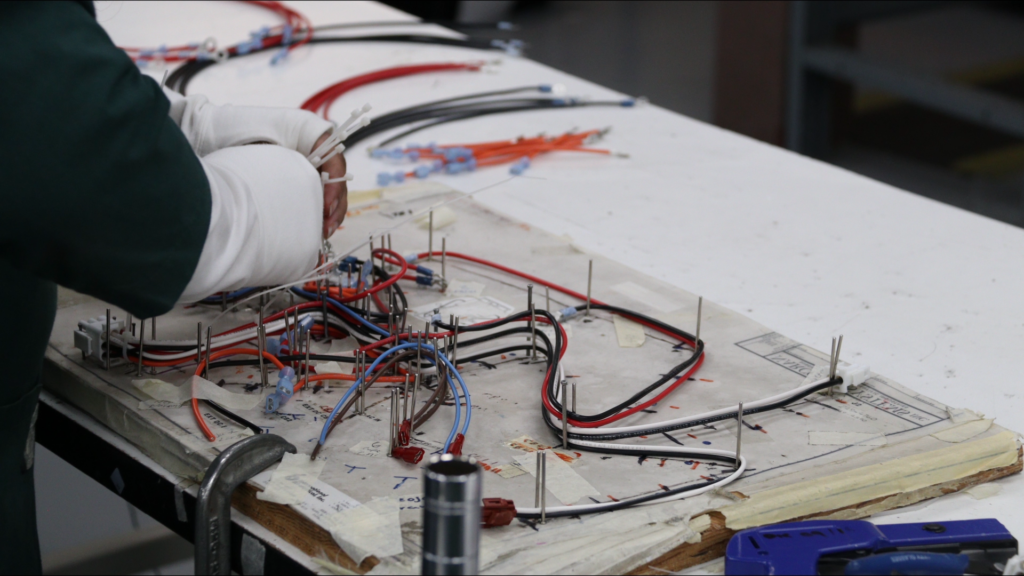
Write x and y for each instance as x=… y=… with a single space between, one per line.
x=430 y=237
x=739 y=433
x=544 y=487
x=209 y=351
x=590 y=281
x=565 y=417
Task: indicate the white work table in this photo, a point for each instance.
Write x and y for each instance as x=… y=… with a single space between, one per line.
x=926 y=294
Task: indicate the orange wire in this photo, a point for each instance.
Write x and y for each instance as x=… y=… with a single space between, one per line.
x=216 y=355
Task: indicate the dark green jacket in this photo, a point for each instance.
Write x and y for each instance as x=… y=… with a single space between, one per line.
x=100 y=193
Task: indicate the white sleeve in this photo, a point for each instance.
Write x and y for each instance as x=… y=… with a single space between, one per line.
x=265 y=222
x=209 y=128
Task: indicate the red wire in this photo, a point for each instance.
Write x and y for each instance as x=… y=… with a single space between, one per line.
x=322 y=100
x=579 y=296
x=296 y=20
x=199 y=370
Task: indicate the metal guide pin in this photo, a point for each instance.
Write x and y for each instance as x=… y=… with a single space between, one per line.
x=360 y=376
x=739 y=433
x=199 y=344
x=306 y=371
x=391 y=423
x=536 y=487
x=533 y=319
x=106 y=358
x=129 y=325
x=444 y=263
x=590 y=281
x=565 y=417
x=405 y=399
x=574 y=397
x=835 y=363
x=533 y=333
x=261 y=344
x=547 y=299
x=544 y=488
x=832 y=357
x=412 y=412
x=455 y=344
x=142 y=337
x=209 y=351
x=700 y=310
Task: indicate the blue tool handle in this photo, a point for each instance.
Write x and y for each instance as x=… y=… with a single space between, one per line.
x=909 y=563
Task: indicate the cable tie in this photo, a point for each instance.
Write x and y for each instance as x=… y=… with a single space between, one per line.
x=346 y=178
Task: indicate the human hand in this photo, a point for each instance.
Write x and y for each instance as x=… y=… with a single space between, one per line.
x=336 y=193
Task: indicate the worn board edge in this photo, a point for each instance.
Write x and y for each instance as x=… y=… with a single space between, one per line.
x=715 y=538
x=63 y=378
x=59 y=378
x=296 y=529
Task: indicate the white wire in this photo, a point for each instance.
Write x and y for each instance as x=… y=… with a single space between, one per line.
x=713 y=413
x=586 y=508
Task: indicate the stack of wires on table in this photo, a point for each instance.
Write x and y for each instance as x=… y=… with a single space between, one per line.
x=457 y=158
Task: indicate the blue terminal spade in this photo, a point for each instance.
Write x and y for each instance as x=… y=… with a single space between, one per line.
x=284 y=391
x=860 y=547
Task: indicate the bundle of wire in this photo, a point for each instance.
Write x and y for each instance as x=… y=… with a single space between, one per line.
x=198 y=57
x=456 y=158
x=296 y=31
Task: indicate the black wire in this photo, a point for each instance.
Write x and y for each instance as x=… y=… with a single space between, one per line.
x=232 y=416
x=665 y=378
x=455 y=115
x=180 y=78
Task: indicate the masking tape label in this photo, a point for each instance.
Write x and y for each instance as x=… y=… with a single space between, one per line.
x=562 y=480
x=629 y=333
x=203 y=389
x=372 y=529
x=291 y=481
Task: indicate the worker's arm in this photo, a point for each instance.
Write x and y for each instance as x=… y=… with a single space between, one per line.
x=209 y=128
x=103 y=193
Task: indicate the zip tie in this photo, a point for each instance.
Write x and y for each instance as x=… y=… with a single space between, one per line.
x=318 y=162
x=339 y=134
x=326 y=180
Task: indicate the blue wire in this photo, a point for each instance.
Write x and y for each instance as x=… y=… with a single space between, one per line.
x=455 y=392
x=229 y=296
x=352 y=313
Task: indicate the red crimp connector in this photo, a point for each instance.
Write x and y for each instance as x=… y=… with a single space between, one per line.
x=456 y=445
x=498 y=512
x=404 y=433
x=409 y=454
